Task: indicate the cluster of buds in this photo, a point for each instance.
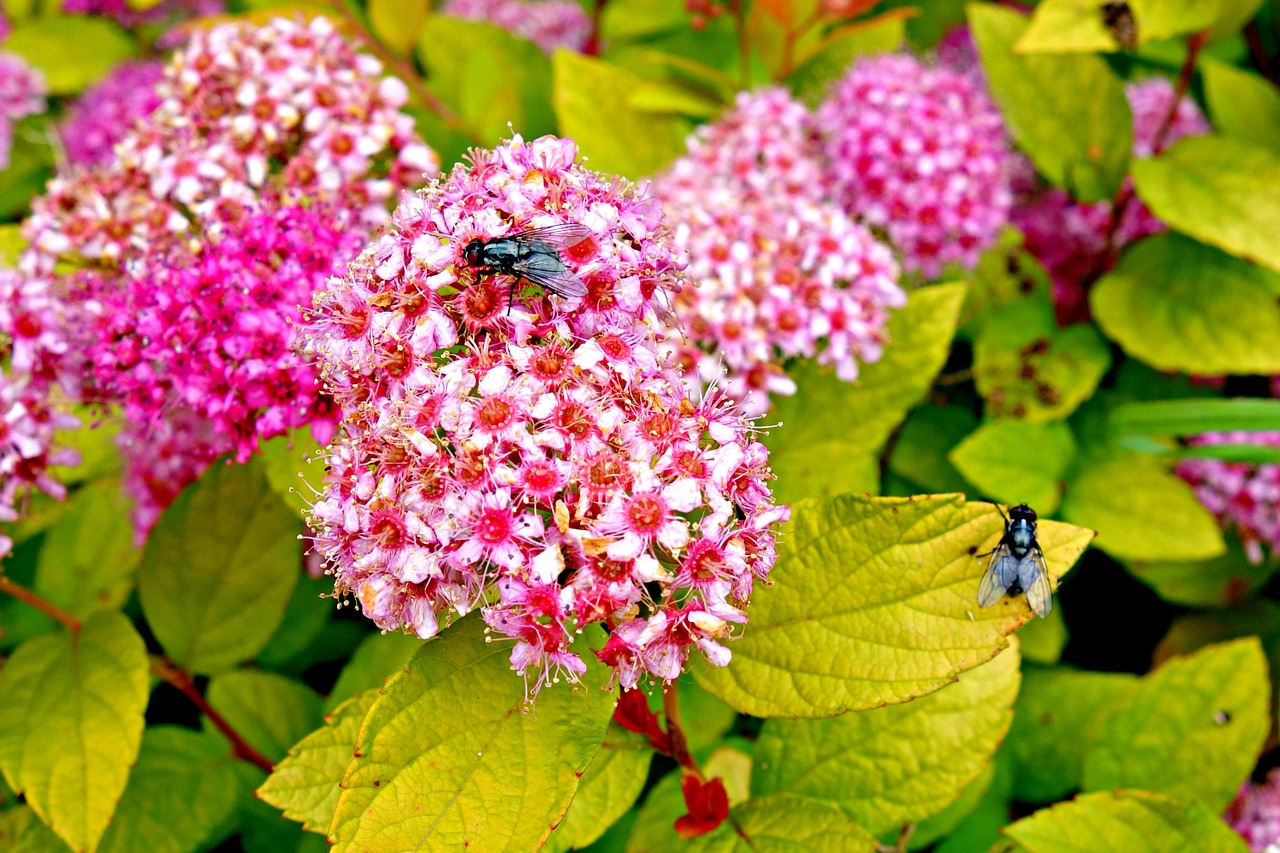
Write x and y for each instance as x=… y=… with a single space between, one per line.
x=1241 y=495
x=107 y=111
x=507 y=448
x=273 y=154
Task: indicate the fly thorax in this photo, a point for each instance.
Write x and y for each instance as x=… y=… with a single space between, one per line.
x=1021 y=535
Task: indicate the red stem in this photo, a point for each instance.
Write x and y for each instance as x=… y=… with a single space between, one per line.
x=39 y=603
x=593 y=43
x=679 y=744
x=181 y=679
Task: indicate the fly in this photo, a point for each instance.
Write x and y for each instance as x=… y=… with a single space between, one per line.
x=1017 y=564
x=532 y=255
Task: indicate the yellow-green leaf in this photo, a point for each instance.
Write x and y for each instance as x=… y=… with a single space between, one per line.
x=1225 y=580
x=608 y=788
x=183 y=789
x=1140 y=510
x=397 y=23
x=71 y=708
x=305 y=784
x=1192 y=729
x=1058 y=717
x=22 y=832
x=295 y=465
x=1132 y=821
x=219 y=568
x=1067 y=112
x=873 y=601
x=1183 y=306
x=784 y=824
x=1067 y=26
x=72 y=51
x=889 y=766
x=1220 y=190
x=1017 y=462
x=84 y=574
x=831 y=430
x=376 y=659
x=1243 y=104
x=590 y=98
x=452 y=755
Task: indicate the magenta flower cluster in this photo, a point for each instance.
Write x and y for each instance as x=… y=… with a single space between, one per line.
x=779 y=270
x=1255 y=813
x=1241 y=495
x=161 y=13
x=106 y=112
x=272 y=156
x=31 y=357
x=920 y=152
x=1070 y=237
x=549 y=24
x=22 y=92
x=533 y=457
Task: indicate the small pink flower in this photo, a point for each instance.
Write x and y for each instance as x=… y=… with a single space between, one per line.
x=106 y=112
x=1243 y=496
x=22 y=92
x=1255 y=813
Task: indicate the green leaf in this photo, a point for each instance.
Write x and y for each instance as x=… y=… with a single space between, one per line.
x=1219 y=190
x=1194 y=417
x=873 y=602
x=832 y=430
x=182 y=790
x=1243 y=104
x=1140 y=510
x=1067 y=26
x=1226 y=579
x=22 y=832
x=84 y=574
x=1017 y=462
x=1028 y=368
x=654 y=830
x=783 y=824
x=305 y=785
x=397 y=23
x=1068 y=113
x=295 y=466
x=1006 y=272
x=1232 y=16
x=269 y=711
x=1163 y=19
x=607 y=790
x=377 y=658
x=590 y=98
x=674 y=97
x=306 y=618
x=831 y=58
x=1132 y=821
x=73 y=51
x=1183 y=306
x=1058 y=718
x=489 y=76
x=71 y=708
x=451 y=755
x=921 y=451
x=895 y=765
x=12 y=244
x=1042 y=640
x=1169 y=736
x=941 y=825
x=980 y=828
x=219 y=568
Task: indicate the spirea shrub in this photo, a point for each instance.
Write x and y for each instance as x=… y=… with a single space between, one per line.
x=1241 y=495
x=273 y=154
x=534 y=457
x=775 y=271
x=550 y=24
x=921 y=152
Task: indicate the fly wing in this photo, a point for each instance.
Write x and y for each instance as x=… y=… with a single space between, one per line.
x=1033 y=575
x=543 y=267
x=565 y=235
x=1002 y=572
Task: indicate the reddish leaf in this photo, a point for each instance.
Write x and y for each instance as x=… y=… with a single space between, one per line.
x=634 y=715
x=708 y=806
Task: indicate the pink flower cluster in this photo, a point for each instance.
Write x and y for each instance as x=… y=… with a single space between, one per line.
x=1069 y=237
x=31 y=356
x=1241 y=495
x=536 y=455
x=922 y=153
x=102 y=115
x=780 y=272
x=1255 y=813
x=22 y=92
x=163 y=12
x=549 y=24
x=272 y=156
